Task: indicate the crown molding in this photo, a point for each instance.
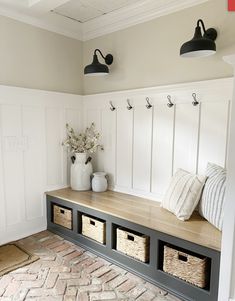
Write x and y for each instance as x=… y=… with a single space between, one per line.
x=69 y=28
x=105 y=24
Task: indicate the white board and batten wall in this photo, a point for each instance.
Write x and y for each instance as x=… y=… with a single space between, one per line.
x=144 y=147
x=32 y=160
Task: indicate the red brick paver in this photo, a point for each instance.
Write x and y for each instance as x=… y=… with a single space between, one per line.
x=66 y=272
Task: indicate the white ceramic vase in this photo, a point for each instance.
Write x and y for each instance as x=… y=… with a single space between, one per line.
x=81 y=173
x=99 y=182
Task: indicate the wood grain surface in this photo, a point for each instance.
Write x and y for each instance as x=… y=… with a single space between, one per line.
x=147 y=213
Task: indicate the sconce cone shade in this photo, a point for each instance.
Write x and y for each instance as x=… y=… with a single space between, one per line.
x=96 y=68
x=200 y=45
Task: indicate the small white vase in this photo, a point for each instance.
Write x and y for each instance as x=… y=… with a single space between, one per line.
x=81 y=173
x=99 y=182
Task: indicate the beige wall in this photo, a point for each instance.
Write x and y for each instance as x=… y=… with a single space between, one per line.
x=144 y=55
x=148 y=54
x=34 y=58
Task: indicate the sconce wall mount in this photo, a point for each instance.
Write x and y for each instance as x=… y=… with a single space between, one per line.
x=200 y=45
x=96 y=68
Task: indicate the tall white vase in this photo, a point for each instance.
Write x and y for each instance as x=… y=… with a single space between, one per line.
x=81 y=173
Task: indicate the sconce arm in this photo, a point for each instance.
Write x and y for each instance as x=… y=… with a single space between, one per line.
x=108 y=58
x=202 y=24
x=97 y=50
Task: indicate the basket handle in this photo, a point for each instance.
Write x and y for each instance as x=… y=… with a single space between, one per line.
x=130 y=237
x=61 y=211
x=92 y=222
x=182 y=257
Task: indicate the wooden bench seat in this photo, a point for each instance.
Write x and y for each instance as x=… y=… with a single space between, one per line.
x=146 y=213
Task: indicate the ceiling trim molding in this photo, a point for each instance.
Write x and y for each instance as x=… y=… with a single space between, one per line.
x=105 y=24
x=133 y=15
x=40 y=23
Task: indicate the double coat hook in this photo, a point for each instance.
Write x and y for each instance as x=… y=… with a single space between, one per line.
x=129 y=106
x=170 y=103
x=195 y=101
x=148 y=105
x=112 y=108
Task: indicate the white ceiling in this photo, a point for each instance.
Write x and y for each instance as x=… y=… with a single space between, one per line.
x=87 y=19
x=86 y=10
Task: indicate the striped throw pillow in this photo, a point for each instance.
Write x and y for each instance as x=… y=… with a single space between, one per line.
x=212 y=201
x=183 y=194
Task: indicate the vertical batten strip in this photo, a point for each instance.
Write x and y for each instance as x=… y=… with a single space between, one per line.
x=24 y=208
x=227 y=132
x=151 y=153
x=62 y=152
x=2 y=182
x=100 y=157
x=115 y=150
x=132 y=143
x=173 y=141
x=199 y=133
x=115 y=177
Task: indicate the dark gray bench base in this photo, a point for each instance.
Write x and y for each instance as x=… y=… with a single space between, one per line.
x=151 y=271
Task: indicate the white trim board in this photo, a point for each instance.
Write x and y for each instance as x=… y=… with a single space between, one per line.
x=119 y=19
x=171 y=88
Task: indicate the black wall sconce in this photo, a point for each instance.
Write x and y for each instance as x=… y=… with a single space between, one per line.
x=96 y=68
x=200 y=45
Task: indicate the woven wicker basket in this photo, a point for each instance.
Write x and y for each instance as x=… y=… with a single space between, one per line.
x=186 y=267
x=93 y=228
x=133 y=244
x=62 y=216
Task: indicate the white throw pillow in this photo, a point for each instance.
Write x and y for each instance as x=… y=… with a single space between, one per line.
x=212 y=201
x=183 y=194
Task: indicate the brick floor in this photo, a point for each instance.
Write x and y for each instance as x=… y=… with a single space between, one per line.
x=66 y=272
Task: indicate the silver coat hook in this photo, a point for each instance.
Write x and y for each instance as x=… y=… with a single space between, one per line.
x=112 y=108
x=129 y=107
x=170 y=103
x=195 y=101
x=148 y=105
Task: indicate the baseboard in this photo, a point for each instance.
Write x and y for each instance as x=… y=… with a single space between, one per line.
x=16 y=235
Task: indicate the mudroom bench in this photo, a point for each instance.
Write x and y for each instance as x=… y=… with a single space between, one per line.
x=138 y=235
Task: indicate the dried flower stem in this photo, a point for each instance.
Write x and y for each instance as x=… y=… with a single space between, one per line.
x=87 y=142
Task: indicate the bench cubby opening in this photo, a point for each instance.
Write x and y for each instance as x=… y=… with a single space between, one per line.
x=92 y=227
x=131 y=243
x=185 y=265
x=62 y=216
